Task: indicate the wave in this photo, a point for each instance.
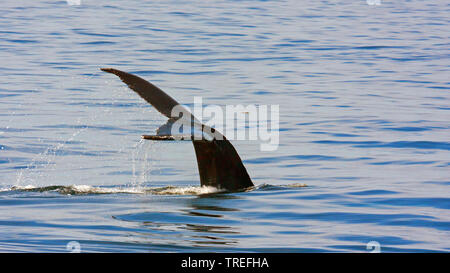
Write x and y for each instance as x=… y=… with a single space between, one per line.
x=167 y=190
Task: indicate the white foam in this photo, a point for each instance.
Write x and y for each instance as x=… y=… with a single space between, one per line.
x=23 y=188
x=296 y=185
x=168 y=190
x=186 y=190
x=86 y=189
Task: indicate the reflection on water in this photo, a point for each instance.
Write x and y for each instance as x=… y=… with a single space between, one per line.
x=202 y=222
x=213 y=233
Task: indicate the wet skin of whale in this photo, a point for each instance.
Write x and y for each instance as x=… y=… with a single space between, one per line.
x=218 y=162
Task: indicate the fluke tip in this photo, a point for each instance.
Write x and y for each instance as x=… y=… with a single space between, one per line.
x=107 y=69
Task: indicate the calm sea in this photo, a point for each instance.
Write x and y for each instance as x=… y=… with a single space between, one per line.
x=363 y=91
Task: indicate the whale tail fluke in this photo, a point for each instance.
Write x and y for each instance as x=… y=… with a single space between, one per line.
x=218 y=162
x=152 y=94
x=219 y=165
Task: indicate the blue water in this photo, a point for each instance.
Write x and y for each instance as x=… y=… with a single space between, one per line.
x=364 y=124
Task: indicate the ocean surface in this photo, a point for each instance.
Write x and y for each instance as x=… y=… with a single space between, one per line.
x=363 y=157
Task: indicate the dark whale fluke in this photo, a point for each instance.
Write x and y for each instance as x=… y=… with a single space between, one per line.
x=218 y=162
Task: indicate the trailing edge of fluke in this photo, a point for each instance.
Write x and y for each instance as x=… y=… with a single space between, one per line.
x=218 y=162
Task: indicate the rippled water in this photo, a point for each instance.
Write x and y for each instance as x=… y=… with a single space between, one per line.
x=364 y=123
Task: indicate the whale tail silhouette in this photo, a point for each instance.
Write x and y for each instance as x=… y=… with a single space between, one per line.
x=218 y=162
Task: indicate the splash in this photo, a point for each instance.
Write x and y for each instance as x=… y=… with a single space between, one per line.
x=40 y=165
x=142 y=166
